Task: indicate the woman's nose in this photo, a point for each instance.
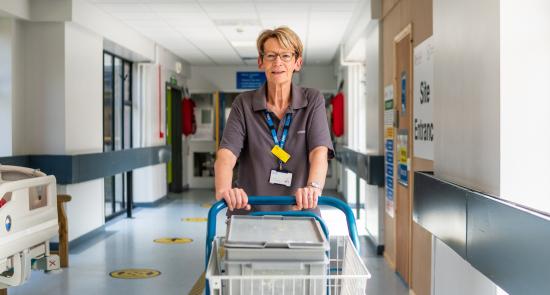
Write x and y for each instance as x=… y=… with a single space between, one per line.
x=278 y=60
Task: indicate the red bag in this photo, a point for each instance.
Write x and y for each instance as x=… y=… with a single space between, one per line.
x=338 y=114
x=188 y=123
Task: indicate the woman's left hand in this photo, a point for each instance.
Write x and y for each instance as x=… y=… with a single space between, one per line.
x=306 y=198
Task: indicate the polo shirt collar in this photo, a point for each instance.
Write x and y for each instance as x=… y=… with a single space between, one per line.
x=259 y=102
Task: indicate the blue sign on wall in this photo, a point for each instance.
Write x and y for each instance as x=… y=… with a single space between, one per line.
x=389 y=145
x=389 y=182
x=250 y=80
x=403 y=174
x=389 y=169
x=389 y=157
x=404 y=92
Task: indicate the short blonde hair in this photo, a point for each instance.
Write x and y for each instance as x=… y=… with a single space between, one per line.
x=286 y=37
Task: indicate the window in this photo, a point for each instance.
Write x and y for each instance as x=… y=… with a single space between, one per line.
x=117 y=126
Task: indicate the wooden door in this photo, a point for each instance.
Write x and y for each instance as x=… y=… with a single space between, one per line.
x=403 y=103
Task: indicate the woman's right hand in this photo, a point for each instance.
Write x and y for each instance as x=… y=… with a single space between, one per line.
x=235 y=198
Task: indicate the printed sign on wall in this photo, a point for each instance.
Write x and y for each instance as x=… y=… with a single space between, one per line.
x=389 y=121
x=404 y=92
x=250 y=80
x=403 y=155
x=423 y=100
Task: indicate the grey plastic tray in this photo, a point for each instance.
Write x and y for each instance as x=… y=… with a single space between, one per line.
x=312 y=286
x=275 y=238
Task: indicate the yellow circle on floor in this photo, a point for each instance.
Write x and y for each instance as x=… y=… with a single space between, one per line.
x=134 y=273
x=173 y=240
x=195 y=219
x=206 y=205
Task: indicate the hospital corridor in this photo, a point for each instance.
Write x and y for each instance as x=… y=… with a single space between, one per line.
x=293 y=147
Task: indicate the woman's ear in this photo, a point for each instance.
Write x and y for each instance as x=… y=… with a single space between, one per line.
x=260 y=62
x=298 y=64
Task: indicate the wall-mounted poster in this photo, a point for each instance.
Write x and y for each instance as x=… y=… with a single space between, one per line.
x=389 y=121
x=250 y=80
x=423 y=122
x=404 y=92
x=403 y=156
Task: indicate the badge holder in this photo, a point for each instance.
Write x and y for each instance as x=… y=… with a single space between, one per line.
x=280 y=176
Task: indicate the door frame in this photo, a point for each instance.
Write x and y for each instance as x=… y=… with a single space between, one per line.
x=173 y=131
x=403 y=34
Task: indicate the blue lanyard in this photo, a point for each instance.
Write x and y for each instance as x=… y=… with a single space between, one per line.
x=281 y=143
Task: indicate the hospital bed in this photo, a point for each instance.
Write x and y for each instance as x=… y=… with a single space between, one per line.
x=28 y=220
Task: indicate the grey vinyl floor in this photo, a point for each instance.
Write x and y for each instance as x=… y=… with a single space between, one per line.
x=128 y=243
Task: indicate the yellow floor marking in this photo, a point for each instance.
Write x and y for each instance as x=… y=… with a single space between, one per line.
x=195 y=219
x=173 y=240
x=199 y=285
x=135 y=273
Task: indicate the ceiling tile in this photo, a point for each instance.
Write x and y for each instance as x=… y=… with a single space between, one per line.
x=198 y=35
x=175 y=7
x=334 y=7
x=251 y=62
x=229 y=7
x=137 y=16
x=330 y=15
x=148 y=24
x=167 y=1
x=246 y=17
x=222 y=1
x=123 y=7
x=116 y=1
x=247 y=51
x=312 y=2
x=244 y=33
x=200 y=31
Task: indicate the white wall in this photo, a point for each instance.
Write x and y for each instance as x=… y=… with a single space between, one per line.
x=374 y=196
x=374 y=89
x=525 y=102
x=18 y=93
x=454 y=276
x=149 y=183
x=50 y=10
x=44 y=89
x=103 y=24
x=6 y=44
x=224 y=78
x=467 y=115
x=83 y=90
x=319 y=77
x=15 y=8
x=52 y=92
x=466 y=112
x=86 y=210
x=11 y=89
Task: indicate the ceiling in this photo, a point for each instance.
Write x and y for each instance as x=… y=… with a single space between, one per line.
x=223 y=32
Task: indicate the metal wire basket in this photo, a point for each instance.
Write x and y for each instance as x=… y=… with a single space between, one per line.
x=345 y=274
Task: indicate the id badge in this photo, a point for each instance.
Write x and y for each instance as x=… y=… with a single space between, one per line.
x=280 y=177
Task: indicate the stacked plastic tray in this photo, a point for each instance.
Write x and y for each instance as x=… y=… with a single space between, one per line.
x=290 y=250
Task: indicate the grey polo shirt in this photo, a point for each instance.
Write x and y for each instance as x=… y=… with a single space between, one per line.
x=248 y=136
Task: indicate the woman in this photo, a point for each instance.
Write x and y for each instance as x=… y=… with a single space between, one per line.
x=279 y=133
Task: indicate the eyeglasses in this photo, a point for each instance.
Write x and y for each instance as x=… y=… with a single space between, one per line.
x=285 y=56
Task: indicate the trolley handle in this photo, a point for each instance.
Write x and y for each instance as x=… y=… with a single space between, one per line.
x=280 y=200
